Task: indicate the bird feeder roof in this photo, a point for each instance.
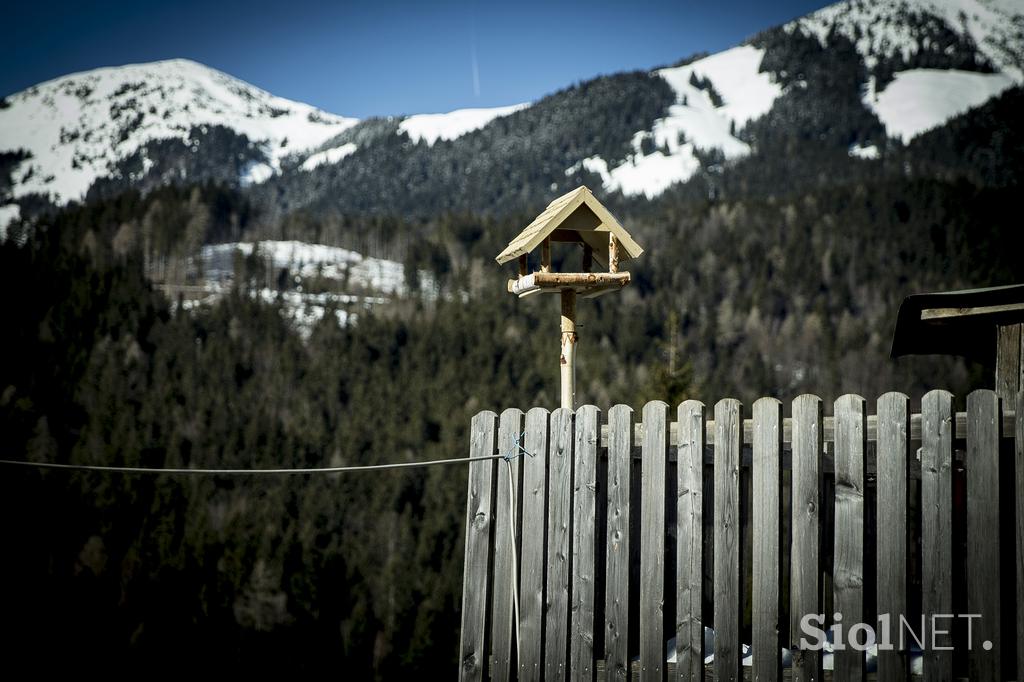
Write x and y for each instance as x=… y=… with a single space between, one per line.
x=580 y=214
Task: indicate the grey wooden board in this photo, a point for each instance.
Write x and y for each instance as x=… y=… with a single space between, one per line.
x=983 y=533
x=765 y=611
x=1019 y=552
x=805 y=594
x=584 y=547
x=848 y=561
x=620 y=460
x=891 y=536
x=652 y=541
x=728 y=590
x=689 y=541
x=556 y=621
x=480 y=498
x=506 y=539
x=937 y=525
x=533 y=562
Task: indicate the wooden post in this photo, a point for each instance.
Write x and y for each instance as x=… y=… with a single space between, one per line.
x=613 y=253
x=1009 y=361
x=523 y=269
x=568 y=355
x=588 y=258
x=545 y=255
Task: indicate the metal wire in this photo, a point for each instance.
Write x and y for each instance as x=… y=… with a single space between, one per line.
x=245 y=472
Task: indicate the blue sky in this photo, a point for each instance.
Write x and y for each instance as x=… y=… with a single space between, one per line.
x=385 y=57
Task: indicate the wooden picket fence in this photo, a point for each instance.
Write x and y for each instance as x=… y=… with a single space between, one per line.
x=629 y=538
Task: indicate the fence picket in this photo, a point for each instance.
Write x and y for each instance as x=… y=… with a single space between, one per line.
x=620 y=461
x=479 y=510
x=848 y=563
x=937 y=526
x=1019 y=553
x=534 y=525
x=983 y=533
x=652 y=541
x=556 y=613
x=891 y=538
x=766 y=607
x=728 y=592
x=690 y=543
x=584 y=547
x=510 y=428
x=805 y=590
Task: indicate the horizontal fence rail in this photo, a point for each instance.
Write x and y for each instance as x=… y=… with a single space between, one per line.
x=723 y=542
x=828 y=428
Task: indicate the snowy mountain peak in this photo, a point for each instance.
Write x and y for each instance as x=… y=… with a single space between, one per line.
x=76 y=128
x=905 y=28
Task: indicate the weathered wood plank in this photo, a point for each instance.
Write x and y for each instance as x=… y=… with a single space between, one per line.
x=652 y=541
x=506 y=544
x=479 y=511
x=690 y=542
x=531 y=577
x=937 y=525
x=556 y=624
x=849 y=536
x=766 y=607
x=805 y=589
x=1008 y=361
x=891 y=537
x=584 y=545
x=728 y=597
x=983 y=534
x=1019 y=552
x=620 y=460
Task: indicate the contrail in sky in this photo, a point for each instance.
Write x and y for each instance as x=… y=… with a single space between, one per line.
x=476 y=67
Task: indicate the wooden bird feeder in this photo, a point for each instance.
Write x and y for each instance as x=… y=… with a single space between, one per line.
x=574 y=218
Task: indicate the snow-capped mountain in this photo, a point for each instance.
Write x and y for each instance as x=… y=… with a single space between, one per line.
x=78 y=127
x=865 y=75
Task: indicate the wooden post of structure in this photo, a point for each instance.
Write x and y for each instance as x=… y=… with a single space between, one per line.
x=522 y=266
x=1009 y=361
x=545 y=255
x=568 y=355
x=613 y=253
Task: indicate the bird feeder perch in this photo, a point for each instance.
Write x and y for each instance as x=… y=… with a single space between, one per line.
x=574 y=218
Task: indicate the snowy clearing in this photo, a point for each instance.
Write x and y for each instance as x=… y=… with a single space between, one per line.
x=329 y=156
x=433 y=127
x=921 y=99
x=693 y=123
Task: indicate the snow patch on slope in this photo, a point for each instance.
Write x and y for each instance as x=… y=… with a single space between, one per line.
x=693 y=123
x=921 y=99
x=315 y=260
x=329 y=156
x=78 y=127
x=433 y=127
x=8 y=214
